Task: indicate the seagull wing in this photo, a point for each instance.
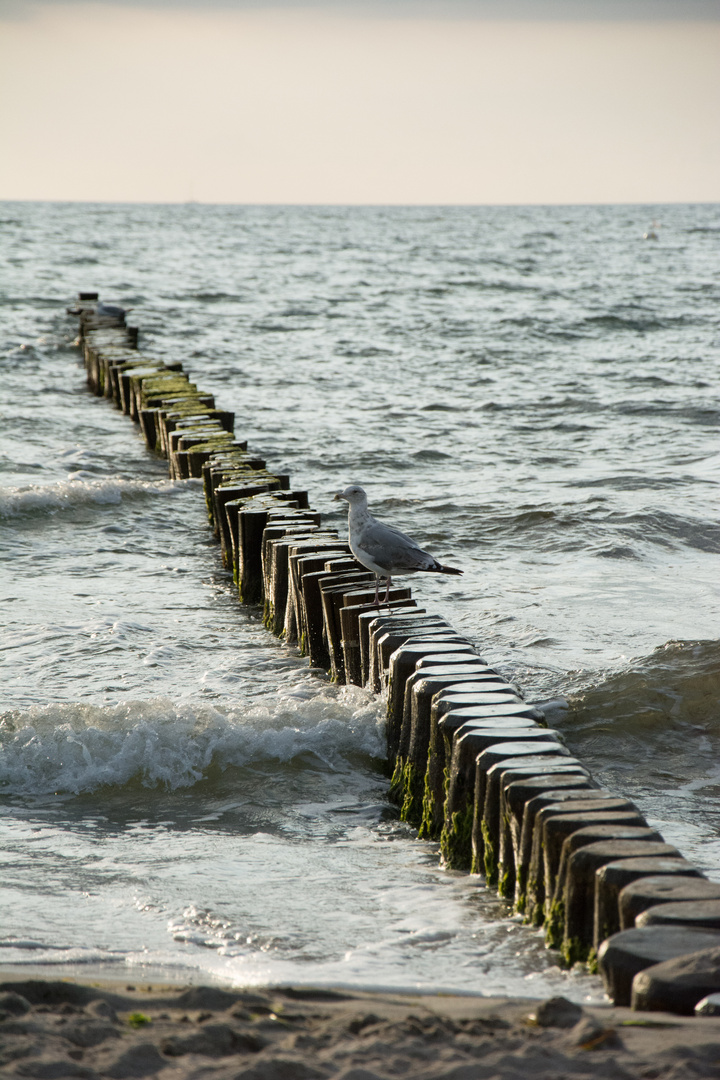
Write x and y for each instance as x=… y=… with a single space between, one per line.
x=391 y=549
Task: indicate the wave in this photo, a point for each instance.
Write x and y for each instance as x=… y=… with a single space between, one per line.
x=78 y=748
x=657 y=715
x=638 y=321
x=592 y=527
x=679 y=683
x=78 y=491
x=667 y=530
x=701 y=414
x=630 y=482
x=487 y=285
x=20 y=953
x=275 y=328
x=210 y=297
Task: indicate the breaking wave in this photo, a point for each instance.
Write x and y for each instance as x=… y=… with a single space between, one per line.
x=76 y=748
x=77 y=491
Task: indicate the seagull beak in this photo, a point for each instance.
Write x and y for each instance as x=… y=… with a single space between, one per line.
x=338 y=495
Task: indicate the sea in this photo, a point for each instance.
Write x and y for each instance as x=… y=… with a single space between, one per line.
x=532 y=392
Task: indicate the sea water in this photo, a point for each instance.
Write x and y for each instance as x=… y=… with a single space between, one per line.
x=531 y=392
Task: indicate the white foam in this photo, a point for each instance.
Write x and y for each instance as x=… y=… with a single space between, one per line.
x=79 y=748
x=78 y=490
x=58 y=955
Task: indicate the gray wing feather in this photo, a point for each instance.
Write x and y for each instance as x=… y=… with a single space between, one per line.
x=392 y=549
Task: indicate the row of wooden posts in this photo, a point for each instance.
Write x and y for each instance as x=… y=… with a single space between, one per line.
x=473 y=765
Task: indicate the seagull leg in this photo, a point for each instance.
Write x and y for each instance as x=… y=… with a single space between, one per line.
x=387 y=589
x=376 y=601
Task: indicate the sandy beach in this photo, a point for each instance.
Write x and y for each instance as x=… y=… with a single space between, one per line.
x=52 y=1029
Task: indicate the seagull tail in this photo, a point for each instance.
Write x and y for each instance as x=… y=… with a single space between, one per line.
x=446 y=569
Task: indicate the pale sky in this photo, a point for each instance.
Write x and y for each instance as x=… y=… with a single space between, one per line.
x=388 y=101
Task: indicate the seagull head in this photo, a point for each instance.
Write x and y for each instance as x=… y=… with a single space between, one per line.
x=354 y=494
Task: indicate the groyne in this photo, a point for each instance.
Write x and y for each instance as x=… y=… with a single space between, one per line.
x=473 y=765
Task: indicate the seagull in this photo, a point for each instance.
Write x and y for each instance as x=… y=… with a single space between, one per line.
x=111 y=311
x=382 y=549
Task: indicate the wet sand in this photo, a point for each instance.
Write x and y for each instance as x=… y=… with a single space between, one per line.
x=51 y=1029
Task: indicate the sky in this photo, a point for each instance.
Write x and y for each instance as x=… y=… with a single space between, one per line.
x=384 y=101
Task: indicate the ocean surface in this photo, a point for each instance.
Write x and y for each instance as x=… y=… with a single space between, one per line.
x=531 y=392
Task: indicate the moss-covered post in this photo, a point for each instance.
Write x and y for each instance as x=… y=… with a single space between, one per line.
x=579 y=891
x=611 y=878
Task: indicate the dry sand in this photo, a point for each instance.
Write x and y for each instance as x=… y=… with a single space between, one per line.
x=52 y=1029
